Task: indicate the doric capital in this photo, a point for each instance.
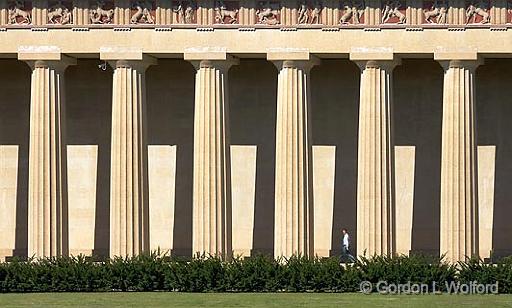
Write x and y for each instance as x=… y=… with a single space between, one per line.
x=139 y=65
x=57 y=65
x=210 y=58
x=467 y=64
x=374 y=57
x=387 y=65
x=222 y=65
x=292 y=58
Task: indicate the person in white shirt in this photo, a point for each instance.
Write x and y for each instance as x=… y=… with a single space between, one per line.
x=345 y=251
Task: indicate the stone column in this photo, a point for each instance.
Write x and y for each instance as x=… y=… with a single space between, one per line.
x=459 y=202
x=129 y=230
x=375 y=180
x=212 y=165
x=47 y=187
x=294 y=170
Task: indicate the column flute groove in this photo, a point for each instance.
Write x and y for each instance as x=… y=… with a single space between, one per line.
x=459 y=202
x=375 y=191
x=212 y=162
x=128 y=192
x=294 y=186
x=47 y=188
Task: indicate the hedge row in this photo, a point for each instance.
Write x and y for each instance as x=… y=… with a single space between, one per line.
x=255 y=274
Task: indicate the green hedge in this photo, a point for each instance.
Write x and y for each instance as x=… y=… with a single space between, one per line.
x=255 y=274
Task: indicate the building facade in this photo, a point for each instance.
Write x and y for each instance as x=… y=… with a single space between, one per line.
x=244 y=127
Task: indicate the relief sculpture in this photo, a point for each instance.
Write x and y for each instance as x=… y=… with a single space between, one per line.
x=19 y=14
x=392 y=12
x=477 y=12
x=59 y=14
x=99 y=14
x=142 y=13
x=436 y=12
x=309 y=13
x=352 y=11
x=268 y=13
x=225 y=14
x=185 y=12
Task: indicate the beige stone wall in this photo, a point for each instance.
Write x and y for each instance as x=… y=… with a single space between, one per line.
x=335 y=93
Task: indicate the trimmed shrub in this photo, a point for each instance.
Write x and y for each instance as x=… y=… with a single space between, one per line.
x=154 y=272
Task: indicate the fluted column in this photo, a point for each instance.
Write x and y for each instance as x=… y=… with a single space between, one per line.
x=47 y=187
x=212 y=165
x=375 y=180
x=129 y=219
x=294 y=177
x=459 y=207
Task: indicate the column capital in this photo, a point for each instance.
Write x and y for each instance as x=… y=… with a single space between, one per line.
x=58 y=65
x=455 y=63
x=210 y=57
x=141 y=64
x=387 y=65
x=292 y=58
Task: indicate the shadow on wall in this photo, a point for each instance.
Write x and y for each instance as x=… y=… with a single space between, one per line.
x=494 y=127
x=170 y=115
x=418 y=100
x=253 y=97
x=89 y=116
x=15 y=130
x=334 y=104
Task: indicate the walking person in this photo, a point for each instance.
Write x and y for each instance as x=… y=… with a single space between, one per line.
x=345 y=251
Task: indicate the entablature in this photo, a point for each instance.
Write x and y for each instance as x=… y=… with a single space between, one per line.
x=255 y=13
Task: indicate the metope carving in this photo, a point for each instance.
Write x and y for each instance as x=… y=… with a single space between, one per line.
x=184 y=12
x=269 y=12
x=226 y=12
x=393 y=11
x=477 y=12
x=143 y=11
x=19 y=12
x=60 y=13
x=352 y=12
x=102 y=12
x=509 y=11
x=309 y=12
x=435 y=12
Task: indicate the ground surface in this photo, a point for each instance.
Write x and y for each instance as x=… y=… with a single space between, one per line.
x=289 y=300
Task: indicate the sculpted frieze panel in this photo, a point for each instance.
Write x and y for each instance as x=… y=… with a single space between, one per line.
x=143 y=12
x=20 y=12
x=393 y=12
x=352 y=12
x=101 y=12
x=309 y=12
x=435 y=12
x=477 y=11
x=226 y=12
x=509 y=11
x=268 y=12
x=60 y=12
x=184 y=12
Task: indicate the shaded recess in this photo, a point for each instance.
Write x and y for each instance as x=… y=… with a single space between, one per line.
x=89 y=122
x=335 y=112
x=494 y=127
x=418 y=101
x=170 y=118
x=253 y=97
x=15 y=130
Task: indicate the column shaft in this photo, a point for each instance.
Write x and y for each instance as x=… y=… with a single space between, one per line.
x=375 y=185
x=459 y=208
x=294 y=178
x=212 y=165
x=128 y=194
x=47 y=188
